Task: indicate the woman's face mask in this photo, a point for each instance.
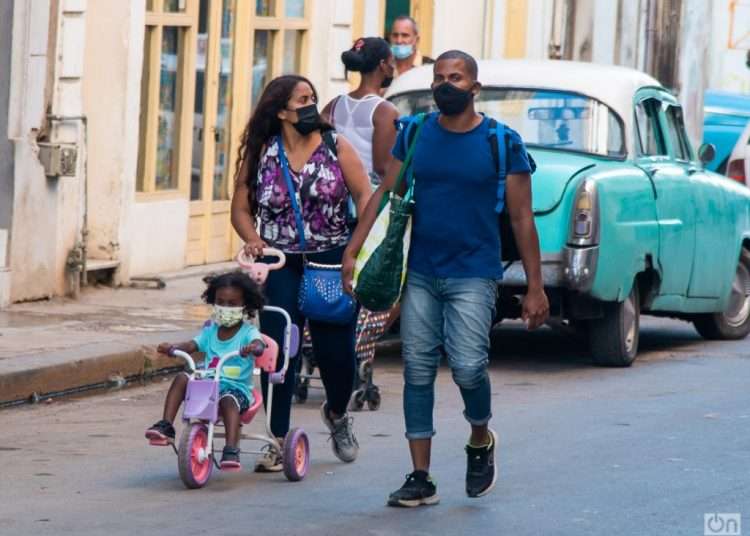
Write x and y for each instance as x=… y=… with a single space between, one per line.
x=308 y=119
x=228 y=316
x=389 y=70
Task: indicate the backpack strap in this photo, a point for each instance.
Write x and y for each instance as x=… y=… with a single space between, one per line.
x=330 y=140
x=411 y=125
x=332 y=115
x=498 y=147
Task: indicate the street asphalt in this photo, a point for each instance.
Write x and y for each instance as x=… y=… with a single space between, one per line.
x=583 y=450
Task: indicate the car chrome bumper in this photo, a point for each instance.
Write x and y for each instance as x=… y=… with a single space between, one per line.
x=573 y=269
x=552 y=272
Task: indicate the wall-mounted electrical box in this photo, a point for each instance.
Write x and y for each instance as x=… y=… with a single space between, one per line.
x=58 y=159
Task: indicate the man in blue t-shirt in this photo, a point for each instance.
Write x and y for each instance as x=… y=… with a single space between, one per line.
x=453 y=268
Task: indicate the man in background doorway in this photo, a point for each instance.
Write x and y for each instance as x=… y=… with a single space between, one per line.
x=405 y=44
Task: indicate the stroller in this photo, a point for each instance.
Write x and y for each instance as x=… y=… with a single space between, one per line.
x=370 y=327
x=305 y=369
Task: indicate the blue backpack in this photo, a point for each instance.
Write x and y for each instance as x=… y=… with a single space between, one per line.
x=509 y=249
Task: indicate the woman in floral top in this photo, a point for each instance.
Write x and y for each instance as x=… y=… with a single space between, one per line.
x=323 y=181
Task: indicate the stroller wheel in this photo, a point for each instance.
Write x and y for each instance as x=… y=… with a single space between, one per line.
x=300 y=393
x=296 y=454
x=357 y=401
x=373 y=401
x=365 y=371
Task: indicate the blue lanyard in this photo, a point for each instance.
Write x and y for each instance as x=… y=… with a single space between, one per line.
x=292 y=193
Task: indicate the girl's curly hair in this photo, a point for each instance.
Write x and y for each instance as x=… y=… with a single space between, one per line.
x=252 y=296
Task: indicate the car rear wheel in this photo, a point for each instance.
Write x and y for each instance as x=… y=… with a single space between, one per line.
x=734 y=322
x=613 y=339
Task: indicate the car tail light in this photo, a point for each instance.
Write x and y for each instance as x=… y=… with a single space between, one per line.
x=584 y=225
x=736 y=170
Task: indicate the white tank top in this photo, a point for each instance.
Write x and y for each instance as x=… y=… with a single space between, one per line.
x=353 y=120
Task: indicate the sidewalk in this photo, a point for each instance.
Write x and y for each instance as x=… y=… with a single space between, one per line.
x=108 y=335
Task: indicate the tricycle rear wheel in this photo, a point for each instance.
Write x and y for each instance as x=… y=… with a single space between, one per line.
x=296 y=454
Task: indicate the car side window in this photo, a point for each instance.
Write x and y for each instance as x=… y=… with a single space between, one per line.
x=650 y=140
x=676 y=132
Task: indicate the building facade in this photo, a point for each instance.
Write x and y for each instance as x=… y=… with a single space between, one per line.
x=143 y=104
x=123 y=119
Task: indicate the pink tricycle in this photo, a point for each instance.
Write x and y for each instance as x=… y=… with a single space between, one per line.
x=195 y=453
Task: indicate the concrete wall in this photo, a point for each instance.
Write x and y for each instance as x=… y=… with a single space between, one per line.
x=47 y=67
x=157 y=236
x=728 y=69
x=539 y=29
x=6 y=150
x=6 y=147
x=113 y=76
x=34 y=197
x=458 y=25
x=692 y=76
x=331 y=34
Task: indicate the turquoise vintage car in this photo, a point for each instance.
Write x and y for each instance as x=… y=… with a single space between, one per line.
x=629 y=220
x=725 y=116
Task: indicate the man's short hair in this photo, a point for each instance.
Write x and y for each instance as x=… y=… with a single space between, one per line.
x=410 y=19
x=471 y=64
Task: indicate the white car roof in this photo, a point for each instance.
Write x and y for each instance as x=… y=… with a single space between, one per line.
x=612 y=85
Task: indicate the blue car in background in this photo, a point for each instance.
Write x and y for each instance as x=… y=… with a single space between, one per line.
x=725 y=116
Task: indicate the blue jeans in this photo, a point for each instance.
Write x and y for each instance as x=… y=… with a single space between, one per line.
x=454 y=316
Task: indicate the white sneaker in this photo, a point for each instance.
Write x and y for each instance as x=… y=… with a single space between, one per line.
x=270 y=462
x=345 y=445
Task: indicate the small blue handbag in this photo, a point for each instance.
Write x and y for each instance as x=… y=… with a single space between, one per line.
x=321 y=294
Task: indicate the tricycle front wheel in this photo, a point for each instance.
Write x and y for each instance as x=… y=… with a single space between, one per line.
x=194 y=456
x=296 y=454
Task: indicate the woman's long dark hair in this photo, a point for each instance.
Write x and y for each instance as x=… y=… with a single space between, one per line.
x=264 y=123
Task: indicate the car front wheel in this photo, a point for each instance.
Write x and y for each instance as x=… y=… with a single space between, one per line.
x=613 y=339
x=734 y=322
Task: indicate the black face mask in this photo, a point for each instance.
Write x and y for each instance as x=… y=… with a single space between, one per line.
x=387 y=81
x=451 y=100
x=308 y=119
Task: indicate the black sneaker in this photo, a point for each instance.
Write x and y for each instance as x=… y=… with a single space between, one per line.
x=480 y=468
x=161 y=433
x=419 y=489
x=230 y=459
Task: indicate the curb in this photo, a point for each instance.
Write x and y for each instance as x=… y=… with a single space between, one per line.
x=99 y=371
x=107 y=369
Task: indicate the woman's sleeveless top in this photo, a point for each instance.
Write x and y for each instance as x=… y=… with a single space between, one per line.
x=321 y=194
x=353 y=119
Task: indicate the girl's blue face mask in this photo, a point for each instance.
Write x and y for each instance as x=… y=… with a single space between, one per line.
x=401 y=52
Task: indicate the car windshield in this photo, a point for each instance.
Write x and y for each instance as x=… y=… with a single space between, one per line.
x=544 y=118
